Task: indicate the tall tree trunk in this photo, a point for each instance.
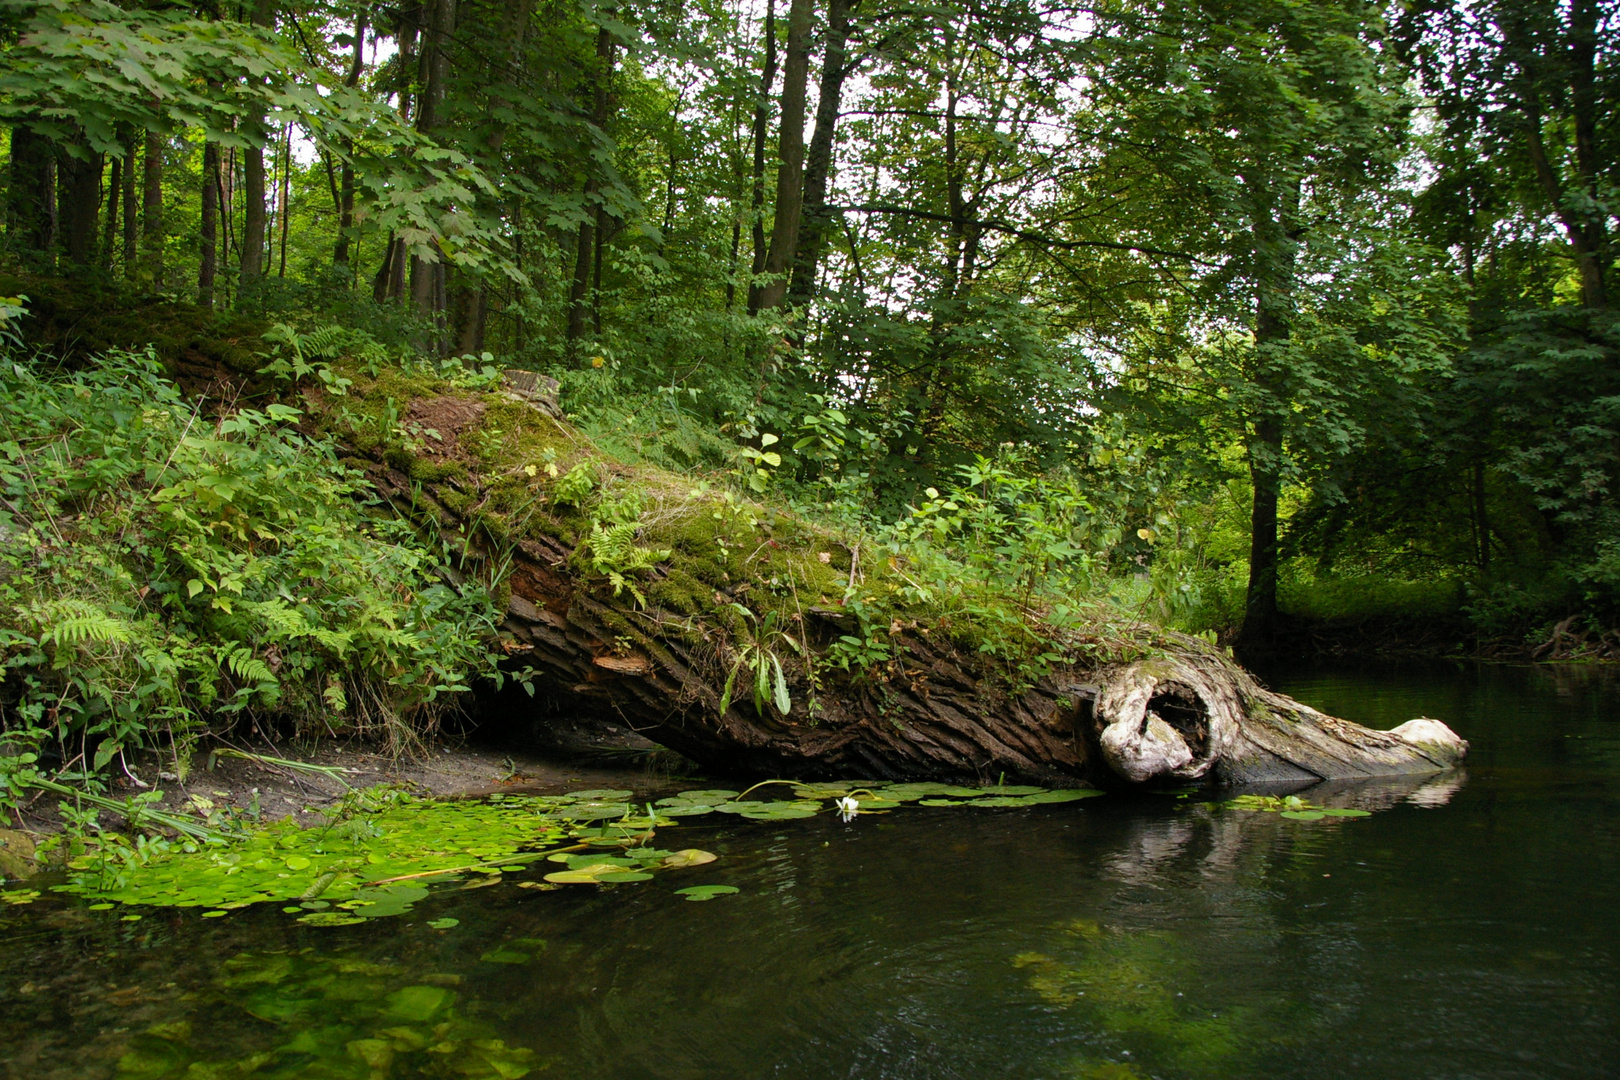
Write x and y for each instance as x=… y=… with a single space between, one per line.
x=819 y=161
x=253 y=216
x=471 y=313
x=1275 y=245
x=428 y=276
x=31 y=202
x=1265 y=475
x=762 y=115
x=78 y=204
x=589 y=237
x=284 y=199
x=253 y=193
x=389 y=284
x=152 y=210
x=208 y=227
x=790 y=157
x=132 y=221
x=109 y=231
x=340 y=255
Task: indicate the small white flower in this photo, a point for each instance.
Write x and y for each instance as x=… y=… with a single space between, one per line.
x=847 y=806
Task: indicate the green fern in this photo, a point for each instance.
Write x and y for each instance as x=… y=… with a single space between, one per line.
x=614 y=553
x=244 y=665
x=284 y=621
x=69 y=622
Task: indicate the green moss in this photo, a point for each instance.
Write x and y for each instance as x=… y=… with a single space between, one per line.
x=433 y=472
x=457 y=502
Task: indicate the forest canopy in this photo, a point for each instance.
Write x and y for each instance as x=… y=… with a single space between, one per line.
x=1242 y=312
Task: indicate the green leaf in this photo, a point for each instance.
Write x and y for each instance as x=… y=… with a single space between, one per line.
x=698 y=893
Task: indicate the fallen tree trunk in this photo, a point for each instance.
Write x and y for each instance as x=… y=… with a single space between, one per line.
x=1156 y=706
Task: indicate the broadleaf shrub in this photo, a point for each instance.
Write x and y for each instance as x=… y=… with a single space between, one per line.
x=161 y=570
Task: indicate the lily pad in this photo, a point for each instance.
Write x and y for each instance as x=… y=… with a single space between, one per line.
x=681 y=810
x=445 y=923
x=689 y=857
x=1062 y=795
x=1344 y=811
x=707 y=794
x=1304 y=815
x=697 y=893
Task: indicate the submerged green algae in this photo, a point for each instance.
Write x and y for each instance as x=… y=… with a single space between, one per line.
x=331 y=1017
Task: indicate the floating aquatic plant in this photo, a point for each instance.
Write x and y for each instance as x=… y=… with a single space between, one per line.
x=1293 y=807
x=378 y=856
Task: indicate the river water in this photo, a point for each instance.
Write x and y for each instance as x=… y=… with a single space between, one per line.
x=1466 y=929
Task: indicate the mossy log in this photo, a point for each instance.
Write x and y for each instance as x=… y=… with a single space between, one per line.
x=1165 y=707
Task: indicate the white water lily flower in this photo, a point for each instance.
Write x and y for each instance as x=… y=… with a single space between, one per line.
x=847 y=806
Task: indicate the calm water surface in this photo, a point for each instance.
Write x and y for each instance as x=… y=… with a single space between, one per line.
x=1466 y=929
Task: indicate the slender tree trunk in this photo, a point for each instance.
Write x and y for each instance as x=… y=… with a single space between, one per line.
x=762 y=114
x=253 y=216
x=1275 y=246
x=818 y=165
x=472 y=318
x=1265 y=474
x=109 y=233
x=208 y=227
x=790 y=157
x=389 y=282
x=340 y=255
x=589 y=236
x=428 y=277
x=132 y=222
x=285 y=199
x=253 y=193
x=152 y=210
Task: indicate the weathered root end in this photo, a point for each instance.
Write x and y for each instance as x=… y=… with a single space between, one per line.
x=1187 y=716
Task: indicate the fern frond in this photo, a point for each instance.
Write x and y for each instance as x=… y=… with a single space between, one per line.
x=244 y=665
x=283 y=621
x=69 y=622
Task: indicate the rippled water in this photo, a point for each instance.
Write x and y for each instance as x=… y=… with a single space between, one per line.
x=1466 y=929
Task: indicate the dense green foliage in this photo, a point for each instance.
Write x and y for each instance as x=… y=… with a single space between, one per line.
x=1225 y=311
x=161 y=567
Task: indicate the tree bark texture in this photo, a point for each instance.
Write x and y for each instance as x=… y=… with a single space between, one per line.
x=31 y=200
x=937 y=709
x=589 y=238
x=818 y=165
x=340 y=255
x=78 y=201
x=762 y=117
x=152 y=210
x=208 y=227
x=109 y=228
x=790 y=158
x=1275 y=244
x=131 y=223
